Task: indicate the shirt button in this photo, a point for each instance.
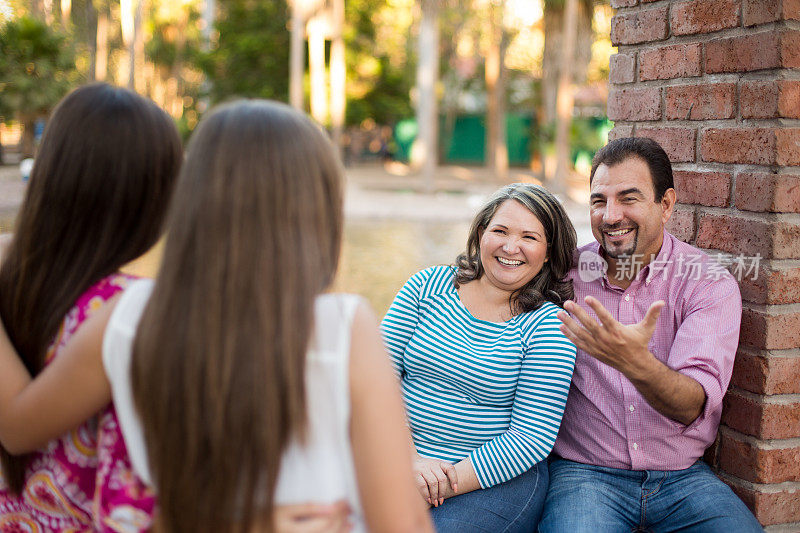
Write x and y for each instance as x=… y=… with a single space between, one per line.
x=635 y=446
x=632 y=408
x=627 y=297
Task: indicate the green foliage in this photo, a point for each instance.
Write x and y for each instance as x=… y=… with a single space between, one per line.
x=251 y=56
x=387 y=101
x=380 y=93
x=37 y=67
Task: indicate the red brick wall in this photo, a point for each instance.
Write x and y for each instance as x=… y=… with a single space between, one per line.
x=717 y=83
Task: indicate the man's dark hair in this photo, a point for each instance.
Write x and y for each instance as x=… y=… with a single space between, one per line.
x=644 y=148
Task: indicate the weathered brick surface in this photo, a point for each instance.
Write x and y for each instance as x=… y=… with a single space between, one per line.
x=770 y=99
x=700 y=102
x=764 y=11
x=744 y=53
x=620 y=131
x=758 y=464
x=762 y=191
x=681 y=223
x=705 y=188
x=759 y=418
x=775 y=286
x=790 y=49
x=756 y=146
x=786 y=242
x=770 y=331
x=635 y=104
x=675 y=61
x=640 y=26
x=703 y=16
x=733 y=234
x=787 y=145
x=623 y=68
x=616 y=4
x=679 y=143
x=770 y=508
x=766 y=373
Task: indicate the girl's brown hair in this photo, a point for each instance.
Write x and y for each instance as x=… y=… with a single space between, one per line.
x=219 y=357
x=96 y=200
x=550 y=284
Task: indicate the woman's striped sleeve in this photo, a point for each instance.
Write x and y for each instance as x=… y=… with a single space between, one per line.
x=539 y=402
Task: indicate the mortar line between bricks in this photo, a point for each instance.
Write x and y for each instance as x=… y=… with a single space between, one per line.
x=718 y=78
x=792 y=218
x=772 y=309
x=761 y=444
x=794 y=527
x=718 y=123
x=717 y=35
x=772 y=399
x=781 y=264
x=789 y=353
x=773 y=265
x=765 y=488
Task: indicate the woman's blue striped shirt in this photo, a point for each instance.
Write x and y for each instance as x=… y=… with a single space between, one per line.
x=492 y=391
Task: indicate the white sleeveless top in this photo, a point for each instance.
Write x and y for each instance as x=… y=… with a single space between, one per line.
x=320 y=471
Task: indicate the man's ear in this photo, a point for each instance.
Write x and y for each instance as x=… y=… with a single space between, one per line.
x=668 y=204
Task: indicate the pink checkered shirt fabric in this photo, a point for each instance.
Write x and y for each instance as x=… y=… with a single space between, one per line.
x=607 y=422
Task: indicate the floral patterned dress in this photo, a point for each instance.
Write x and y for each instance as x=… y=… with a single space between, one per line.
x=82 y=481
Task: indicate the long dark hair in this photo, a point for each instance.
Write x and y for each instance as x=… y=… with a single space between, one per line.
x=96 y=200
x=219 y=357
x=550 y=284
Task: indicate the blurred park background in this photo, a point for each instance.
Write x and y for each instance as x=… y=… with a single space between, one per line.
x=433 y=103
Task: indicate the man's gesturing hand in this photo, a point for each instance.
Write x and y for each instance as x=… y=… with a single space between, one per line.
x=623 y=347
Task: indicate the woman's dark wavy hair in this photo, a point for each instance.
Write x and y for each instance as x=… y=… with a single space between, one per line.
x=550 y=283
x=96 y=200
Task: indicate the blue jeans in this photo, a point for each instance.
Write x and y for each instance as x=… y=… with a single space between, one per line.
x=587 y=498
x=511 y=507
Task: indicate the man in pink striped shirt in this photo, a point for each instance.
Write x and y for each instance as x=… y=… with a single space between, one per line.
x=656 y=323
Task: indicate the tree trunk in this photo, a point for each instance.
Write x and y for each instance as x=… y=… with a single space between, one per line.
x=90 y=15
x=47 y=11
x=553 y=53
x=316 y=70
x=564 y=102
x=296 y=49
x=66 y=11
x=127 y=9
x=496 y=145
x=101 y=47
x=175 y=106
x=28 y=145
x=36 y=8
x=136 y=80
x=427 y=74
x=338 y=75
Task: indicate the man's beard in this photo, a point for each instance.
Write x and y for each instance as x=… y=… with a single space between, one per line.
x=620 y=253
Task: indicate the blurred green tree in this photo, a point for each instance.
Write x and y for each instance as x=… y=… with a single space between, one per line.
x=249 y=56
x=380 y=69
x=37 y=68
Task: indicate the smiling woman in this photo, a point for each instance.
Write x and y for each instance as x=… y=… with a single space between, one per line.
x=484 y=369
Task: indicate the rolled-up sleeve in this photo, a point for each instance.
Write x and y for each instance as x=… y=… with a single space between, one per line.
x=705 y=345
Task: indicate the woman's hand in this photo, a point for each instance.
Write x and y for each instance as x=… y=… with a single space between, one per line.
x=312 y=518
x=433 y=478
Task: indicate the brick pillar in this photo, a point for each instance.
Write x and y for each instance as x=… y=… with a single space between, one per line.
x=717 y=83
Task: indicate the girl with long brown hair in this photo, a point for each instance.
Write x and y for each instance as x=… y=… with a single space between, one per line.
x=239 y=384
x=96 y=200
